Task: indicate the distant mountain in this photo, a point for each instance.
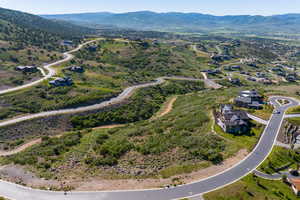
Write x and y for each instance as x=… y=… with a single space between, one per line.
x=187 y=22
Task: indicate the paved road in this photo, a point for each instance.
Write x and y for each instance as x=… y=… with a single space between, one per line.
x=120 y=98
x=51 y=72
x=292 y=115
x=210 y=83
x=246 y=166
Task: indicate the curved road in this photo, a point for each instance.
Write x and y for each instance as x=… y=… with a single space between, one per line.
x=120 y=98
x=246 y=166
x=51 y=72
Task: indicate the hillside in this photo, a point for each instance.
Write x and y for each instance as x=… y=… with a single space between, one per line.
x=33 y=22
x=27 y=39
x=188 y=22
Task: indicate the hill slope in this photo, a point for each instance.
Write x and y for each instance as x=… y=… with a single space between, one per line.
x=33 y=22
x=173 y=21
x=27 y=39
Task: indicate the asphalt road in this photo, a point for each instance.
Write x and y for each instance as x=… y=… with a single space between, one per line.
x=246 y=166
x=51 y=72
x=120 y=98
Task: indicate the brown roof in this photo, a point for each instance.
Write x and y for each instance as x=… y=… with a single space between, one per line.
x=296 y=183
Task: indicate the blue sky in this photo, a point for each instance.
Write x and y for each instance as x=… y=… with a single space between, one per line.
x=216 y=7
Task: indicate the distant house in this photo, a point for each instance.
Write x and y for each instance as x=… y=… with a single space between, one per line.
x=236 y=67
x=232 y=121
x=261 y=75
x=251 y=79
x=26 y=69
x=291 y=78
x=249 y=99
x=235 y=81
x=61 y=82
x=277 y=69
x=220 y=58
x=295 y=184
x=252 y=65
x=92 y=48
x=78 y=69
x=67 y=43
x=212 y=72
x=233 y=68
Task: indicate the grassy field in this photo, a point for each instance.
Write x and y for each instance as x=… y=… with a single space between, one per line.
x=280 y=157
x=253 y=188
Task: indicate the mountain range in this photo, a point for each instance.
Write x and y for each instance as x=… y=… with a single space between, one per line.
x=186 y=22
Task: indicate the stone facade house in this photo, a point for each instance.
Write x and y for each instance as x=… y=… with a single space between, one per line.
x=232 y=121
x=249 y=99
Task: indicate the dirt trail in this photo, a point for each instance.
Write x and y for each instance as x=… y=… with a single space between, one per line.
x=169 y=107
x=166 y=109
x=38 y=141
x=20 y=148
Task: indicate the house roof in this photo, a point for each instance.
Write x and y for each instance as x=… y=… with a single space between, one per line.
x=244 y=99
x=296 y=183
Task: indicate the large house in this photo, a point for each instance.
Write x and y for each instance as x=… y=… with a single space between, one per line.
x=232 y=121
x=77 y=69
x=26 y=69
x=66 y=43
x=249 y=99
x=61 y=82
x=220 y=58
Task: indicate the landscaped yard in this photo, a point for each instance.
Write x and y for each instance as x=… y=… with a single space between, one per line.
x=294 y=110
x=253 y=188
x=247 y=140
x=280 y=157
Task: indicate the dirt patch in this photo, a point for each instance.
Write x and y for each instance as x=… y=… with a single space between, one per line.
x=18 y=174
x=20 y=148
